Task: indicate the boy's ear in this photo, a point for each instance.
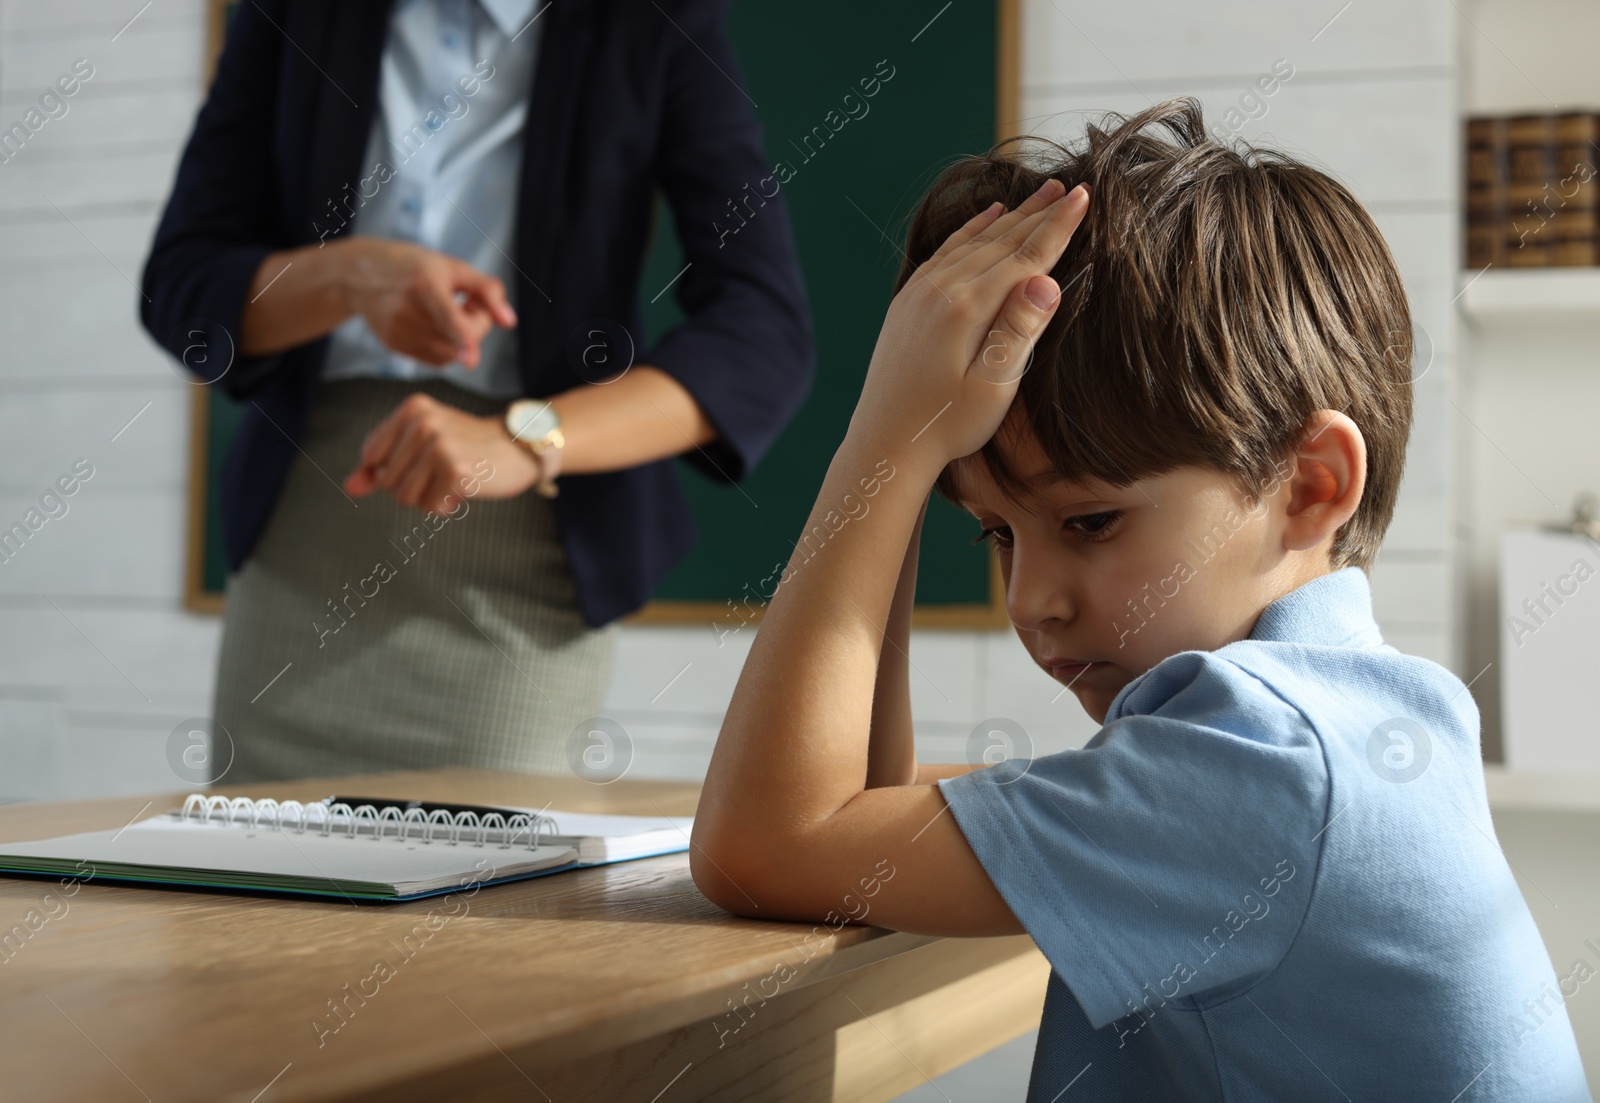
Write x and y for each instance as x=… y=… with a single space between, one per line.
x=1330 y=473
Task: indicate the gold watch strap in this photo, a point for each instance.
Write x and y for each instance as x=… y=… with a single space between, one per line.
x=547 y=450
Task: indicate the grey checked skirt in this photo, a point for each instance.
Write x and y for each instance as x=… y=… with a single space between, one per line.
x=364 y=636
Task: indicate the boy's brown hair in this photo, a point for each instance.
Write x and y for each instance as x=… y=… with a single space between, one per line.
x=1213 y=299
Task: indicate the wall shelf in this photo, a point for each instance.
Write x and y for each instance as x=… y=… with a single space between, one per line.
x=1530 y=292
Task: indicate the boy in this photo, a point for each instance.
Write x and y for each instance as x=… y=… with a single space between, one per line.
x=1272 y=873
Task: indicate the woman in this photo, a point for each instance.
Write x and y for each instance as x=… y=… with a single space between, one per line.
x=392 y=222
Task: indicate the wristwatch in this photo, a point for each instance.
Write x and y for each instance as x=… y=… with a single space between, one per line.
x=534 y=424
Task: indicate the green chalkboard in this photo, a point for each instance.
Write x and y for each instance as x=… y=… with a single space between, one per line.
x=851 y=178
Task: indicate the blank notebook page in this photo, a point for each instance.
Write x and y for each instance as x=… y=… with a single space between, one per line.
x=237 y=854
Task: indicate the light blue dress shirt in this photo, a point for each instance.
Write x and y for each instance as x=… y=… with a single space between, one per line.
x=442 y=166
x=1272 y=875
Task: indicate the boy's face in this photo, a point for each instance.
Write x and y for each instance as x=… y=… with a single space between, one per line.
x=1123 y=578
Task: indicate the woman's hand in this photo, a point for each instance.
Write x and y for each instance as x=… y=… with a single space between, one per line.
x=421 y=303
x=958 y=336
x=426 y=453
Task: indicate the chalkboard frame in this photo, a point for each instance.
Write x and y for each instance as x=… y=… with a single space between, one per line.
x=990 y=614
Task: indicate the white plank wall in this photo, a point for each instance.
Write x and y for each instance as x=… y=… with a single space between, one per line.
x=98 y=661
x=1529 y=383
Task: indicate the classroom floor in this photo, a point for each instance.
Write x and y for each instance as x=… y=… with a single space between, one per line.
x=999 y=1076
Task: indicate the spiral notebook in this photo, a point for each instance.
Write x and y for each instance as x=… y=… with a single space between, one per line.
x=331 y=848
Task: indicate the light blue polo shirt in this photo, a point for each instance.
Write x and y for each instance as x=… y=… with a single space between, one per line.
x=1272 y=876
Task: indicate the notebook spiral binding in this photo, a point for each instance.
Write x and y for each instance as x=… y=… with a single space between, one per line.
x=292 y=815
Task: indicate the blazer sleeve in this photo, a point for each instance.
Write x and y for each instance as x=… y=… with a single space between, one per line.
x=746 y=349
x=219 y=222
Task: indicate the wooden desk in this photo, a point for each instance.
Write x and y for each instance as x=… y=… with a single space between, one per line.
x=604 y=984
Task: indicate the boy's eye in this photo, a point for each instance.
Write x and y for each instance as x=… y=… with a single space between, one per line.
x=1095 y=526
x=1091 y=527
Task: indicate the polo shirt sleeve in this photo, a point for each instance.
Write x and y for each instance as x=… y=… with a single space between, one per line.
x=1170 y=858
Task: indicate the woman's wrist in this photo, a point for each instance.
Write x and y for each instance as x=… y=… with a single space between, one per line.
x=297 y=295
x=346 y=261
x=537 y=459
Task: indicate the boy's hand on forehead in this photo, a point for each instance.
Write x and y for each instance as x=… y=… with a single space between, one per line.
x=958 y=336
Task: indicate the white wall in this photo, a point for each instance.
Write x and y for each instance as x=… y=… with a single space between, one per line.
x=1531 y=385
x=97 y=660
x=97 y=663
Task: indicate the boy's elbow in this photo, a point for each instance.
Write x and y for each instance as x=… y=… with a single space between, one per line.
x=726 y=875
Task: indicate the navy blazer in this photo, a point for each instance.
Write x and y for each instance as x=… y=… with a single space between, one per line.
x=628 y=96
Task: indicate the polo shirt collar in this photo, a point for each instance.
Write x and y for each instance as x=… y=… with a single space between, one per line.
x=1334 y=610
x=511 y=16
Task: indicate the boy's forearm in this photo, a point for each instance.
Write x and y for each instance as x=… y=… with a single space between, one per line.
x=794 y=743
x=891 y=750
x=930 y=772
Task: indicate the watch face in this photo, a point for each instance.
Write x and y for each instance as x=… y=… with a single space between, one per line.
x=531 y=420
